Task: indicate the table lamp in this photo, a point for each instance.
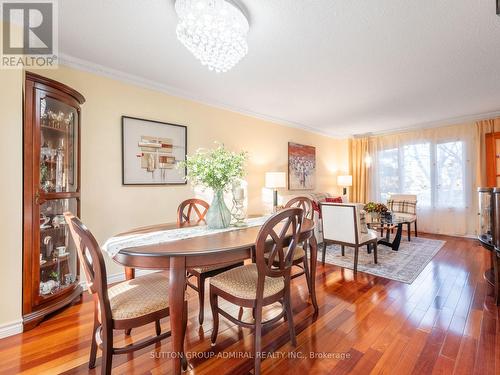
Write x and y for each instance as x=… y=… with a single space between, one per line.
x=275 y=180
x=345 y=182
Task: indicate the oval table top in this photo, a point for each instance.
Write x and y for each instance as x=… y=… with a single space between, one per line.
x=241 y=238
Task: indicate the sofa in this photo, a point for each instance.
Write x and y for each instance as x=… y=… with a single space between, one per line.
x=316 y=197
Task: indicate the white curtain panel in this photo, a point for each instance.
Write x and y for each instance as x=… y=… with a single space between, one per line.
x=438 y=165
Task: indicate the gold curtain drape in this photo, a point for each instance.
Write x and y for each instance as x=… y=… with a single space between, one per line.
x=482 y=128
x=358 y=150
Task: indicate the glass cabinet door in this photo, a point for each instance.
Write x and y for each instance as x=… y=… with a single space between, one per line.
x=58 y=257
x=58 y=146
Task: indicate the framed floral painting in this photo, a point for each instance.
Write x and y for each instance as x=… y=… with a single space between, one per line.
x=301 y=167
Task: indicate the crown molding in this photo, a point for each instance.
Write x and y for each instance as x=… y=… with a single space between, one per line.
x=433 y=124
x=80 y=64
x=101 y=70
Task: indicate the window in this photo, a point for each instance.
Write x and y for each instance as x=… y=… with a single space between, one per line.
x=389 y=172
x=450 y=174
x=417 y=172
x=435 y=172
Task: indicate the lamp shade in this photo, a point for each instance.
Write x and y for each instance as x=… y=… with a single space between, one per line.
x=275 y=180
x=344 y=181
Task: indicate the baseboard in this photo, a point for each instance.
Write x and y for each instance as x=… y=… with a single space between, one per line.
x=117 y=277
x=11 y=329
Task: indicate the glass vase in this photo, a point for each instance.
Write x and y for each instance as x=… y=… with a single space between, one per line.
x=218 y=215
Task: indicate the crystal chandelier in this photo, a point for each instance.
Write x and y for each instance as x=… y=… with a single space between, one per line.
x=214 y=31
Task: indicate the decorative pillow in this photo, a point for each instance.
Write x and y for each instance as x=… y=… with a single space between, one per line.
x=405 y=207
x=316 y=208
x=334 y=200
x=363 y=228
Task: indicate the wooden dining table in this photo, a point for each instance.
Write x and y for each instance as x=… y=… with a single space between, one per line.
x=206 y=250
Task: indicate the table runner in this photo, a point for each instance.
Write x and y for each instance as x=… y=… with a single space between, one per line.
x=114 y=244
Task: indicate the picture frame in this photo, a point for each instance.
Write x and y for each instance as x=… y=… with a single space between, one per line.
x=301 y=167
x=151 y=151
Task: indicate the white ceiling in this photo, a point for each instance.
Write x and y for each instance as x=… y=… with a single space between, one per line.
x=341 y=67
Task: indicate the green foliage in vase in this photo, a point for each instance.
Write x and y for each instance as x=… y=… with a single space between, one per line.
x=54 y=275
x=216 y=168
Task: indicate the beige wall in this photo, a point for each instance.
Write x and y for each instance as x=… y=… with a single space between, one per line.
x=107 y=206
x=11 y=178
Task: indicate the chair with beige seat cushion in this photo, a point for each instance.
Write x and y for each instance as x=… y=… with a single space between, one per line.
x=123 y=306
x=138 y=297
x=343 y=225
x=264 y=282
x=193 y=212
x=404 y=206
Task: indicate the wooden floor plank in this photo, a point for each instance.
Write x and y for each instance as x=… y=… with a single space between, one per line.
x=443 y=323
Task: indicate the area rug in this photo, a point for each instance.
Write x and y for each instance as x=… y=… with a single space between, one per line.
x=403 y=265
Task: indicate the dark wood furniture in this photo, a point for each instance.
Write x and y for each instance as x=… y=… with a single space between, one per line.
x=300 y=258
x=386 y=227
x=127 y=305
x=193 y=211
x=377 y=318
x=213 y=249
x=491 y=212
x=341 y=226
x=262 y=283
x=51 y=166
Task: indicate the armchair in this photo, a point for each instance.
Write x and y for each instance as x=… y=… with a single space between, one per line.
x=342 y=225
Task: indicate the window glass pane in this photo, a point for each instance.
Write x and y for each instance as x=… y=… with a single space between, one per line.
x=58 y=257
x=388 y=167
x=416 y=171
x=450 y=174
x=58 y=146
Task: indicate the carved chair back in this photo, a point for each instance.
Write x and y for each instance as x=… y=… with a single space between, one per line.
x=192 y=211
x=278 y=237
x=92 y=261
x=302 y=202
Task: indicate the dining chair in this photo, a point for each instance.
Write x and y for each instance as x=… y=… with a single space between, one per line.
x=300 y=255
x=264 y=282
x=342 y=224
x=126 y=305
x=193 y=211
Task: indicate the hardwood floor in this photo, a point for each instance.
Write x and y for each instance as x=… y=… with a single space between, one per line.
x=443 y=323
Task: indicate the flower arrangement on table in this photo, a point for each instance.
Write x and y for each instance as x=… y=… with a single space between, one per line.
x=376 y=210
x=217 y=169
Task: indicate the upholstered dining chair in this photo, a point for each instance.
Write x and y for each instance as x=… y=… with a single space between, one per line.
x=123 y=306
x=264 y=282
x=193 y=211
x=405 y=206
x=343 y=225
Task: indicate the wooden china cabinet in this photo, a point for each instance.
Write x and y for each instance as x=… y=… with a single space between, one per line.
x=51 y=187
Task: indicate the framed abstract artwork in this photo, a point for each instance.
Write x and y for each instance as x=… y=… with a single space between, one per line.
x=301 y=167
x=151 y=151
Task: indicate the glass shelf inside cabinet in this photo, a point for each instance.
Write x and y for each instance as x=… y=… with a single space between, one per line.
x=58 y=146
x=58 y=257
